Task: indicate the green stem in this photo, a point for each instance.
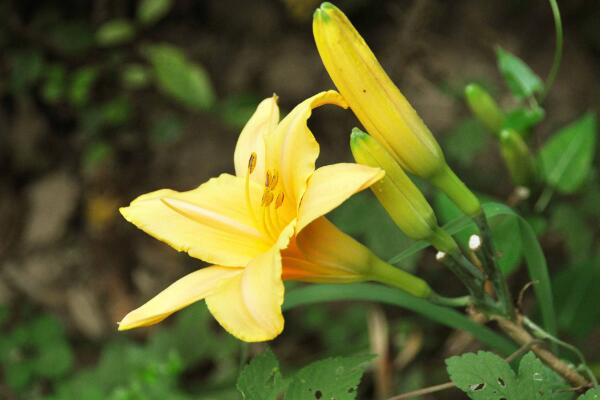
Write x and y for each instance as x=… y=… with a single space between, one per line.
x=395 y=277
x=446 y=180
x=558 y=30
x=542 y=334
x=490 y=267
x=462 y=301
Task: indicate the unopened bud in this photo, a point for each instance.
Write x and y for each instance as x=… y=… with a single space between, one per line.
x=400 y=197
x=371 y=94
x=518 y=158
x=484 y=107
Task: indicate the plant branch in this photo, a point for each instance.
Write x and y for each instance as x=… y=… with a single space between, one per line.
x=487 y=252
x=520 y=335
x=420 y=392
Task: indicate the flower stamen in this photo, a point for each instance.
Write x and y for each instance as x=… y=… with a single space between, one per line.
x=251 y=166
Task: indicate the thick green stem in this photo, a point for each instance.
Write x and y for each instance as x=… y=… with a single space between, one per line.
x=392 y=276
x=450 y=301
x=446 y=180
x=491 y=268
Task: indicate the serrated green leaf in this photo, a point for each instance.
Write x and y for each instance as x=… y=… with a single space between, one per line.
x=179 y=78
x=592 y=394
x=485 y=376
x=150 y=11
x=521 y=80
x=115 y=32
x=261 y=379
x=332 y=378
x=566 y=159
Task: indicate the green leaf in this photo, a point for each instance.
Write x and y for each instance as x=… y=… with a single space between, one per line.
x=261 y=379
x=576 y=294
x=372 y=292
x=566 y=159
x=54 y=85
x=532 y=251
x=54 y=361
x=466 y=141
x=135 y=76
x=521 y=80
x=179 y=78
x=115 y=32
x=150 y=11
x=332 y=378
x=485 y=376
x=592 y=394
x=522 y=119
x=81 y=85
x=26 y=68
x=236 y=110
x=572 y=226
x=167 y=129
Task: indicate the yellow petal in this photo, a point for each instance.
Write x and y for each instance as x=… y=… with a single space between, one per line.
x=211 y=222
x=373 y=97
x=323 y=253
x=249 y=305
x=293 y=149
x=182 y=293
x=330 y=186
x=252 y=139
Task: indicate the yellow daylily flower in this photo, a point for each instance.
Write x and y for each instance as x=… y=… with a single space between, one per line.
x=380 y=106
x=243 y=224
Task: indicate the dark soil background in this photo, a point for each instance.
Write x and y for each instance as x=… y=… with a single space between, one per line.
x=64 y=248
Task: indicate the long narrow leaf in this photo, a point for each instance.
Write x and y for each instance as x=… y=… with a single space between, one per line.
x=534 y=258
x=372 y=292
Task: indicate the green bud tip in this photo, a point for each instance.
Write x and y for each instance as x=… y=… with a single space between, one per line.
x=321 y=12
x=357 y=135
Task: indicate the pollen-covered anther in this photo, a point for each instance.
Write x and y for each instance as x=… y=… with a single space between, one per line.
x=279 y=200
x=271 y=179
x=252 y=162
x=267 y=197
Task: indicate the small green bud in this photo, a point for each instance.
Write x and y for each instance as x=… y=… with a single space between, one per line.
x=518 y=158
x=484 y=107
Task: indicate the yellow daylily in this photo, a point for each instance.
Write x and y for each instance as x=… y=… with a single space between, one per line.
x=380 y=106
x=251 y=225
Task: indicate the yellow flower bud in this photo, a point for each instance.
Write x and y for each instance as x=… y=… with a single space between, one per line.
x=403 y=201
x=381 y=108
x=400 y=197
x=371 y=94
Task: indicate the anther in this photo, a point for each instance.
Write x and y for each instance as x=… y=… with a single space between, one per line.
x=271 y=179
x=267 y=197
x=279 y=200
x=252 y=162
